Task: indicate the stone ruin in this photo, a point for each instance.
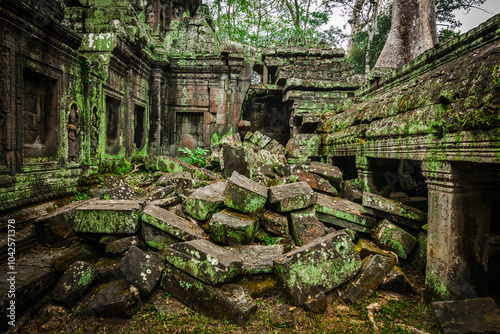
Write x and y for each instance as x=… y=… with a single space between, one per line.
x=311 y=158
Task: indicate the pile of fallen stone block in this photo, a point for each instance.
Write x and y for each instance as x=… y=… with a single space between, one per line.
x=196 y=235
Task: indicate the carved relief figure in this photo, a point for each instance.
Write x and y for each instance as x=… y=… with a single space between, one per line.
x=94 y=133
x=72 y=133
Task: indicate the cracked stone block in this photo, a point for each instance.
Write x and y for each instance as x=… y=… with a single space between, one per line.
x=111 y=217
x=305 y=226
x=257 y=259
x=479 y=315
x=226 y=301
x=366 y=248
x=161 y=228
x=233 y=228
x=393 y=238
x=370 y=276
x=74 y=283
x=352 y=190
x=397 y=281
x=245 y=195
x=291 y=197
x=327 y=171
x=316 y=182
x=275 y=223
x=57 y=225
x=204 y=260
x=205 y=201
x=121 y=245
x=393 y=210
x=114 y=299
x=123 y=191
x=141 y=269
x=256 y=137
x=319 y=266
x=160 y=192
x=178 y=180
x=343 y=213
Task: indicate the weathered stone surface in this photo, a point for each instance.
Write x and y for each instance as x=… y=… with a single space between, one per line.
x=316 y=304
x=57 y=225
x=418 y=257
x=173 y=165
x=160 y=192
x=122 y=245
x=228 y=301
x=204 y=260
x=108 y=270
x=237 y=159
x=275 y=223
x=387 y=208
x=480 y=315
x=316 y=182
x=74 y=283
x=344 y=210
x=233 y=228
x=257 y=259
x=366 y=248
x=122 y=192
x=305 y=226
x=205 y=201
x=344 y=224
x=112 y=217
x=370 y=276
x=394 y=238
x=281 y=316
x=141 y=269
x=79 y=252
x=166 y=202
x=111 y=182
x=114 y=299
x=293 y=196
x=166 y=227
x=397 y=281
x=329 y=172
x=352 y=190
x=178 y=180
x=318 y=266
x=244 y=194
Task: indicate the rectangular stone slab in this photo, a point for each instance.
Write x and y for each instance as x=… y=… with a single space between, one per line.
x=227 y=302
x=171 y=223
x=112 y=217
x=233 y=228
x=329 y=172
x=257 y=259
x=205 y=201
x=344 y=209
x=244 y=194
x=412 y=217
x=156 y=237
x=318 y=266
x=293 y=196
x=329 y=219
x=204 y=260
x=305 y=226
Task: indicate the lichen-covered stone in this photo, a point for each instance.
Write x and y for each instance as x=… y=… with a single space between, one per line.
x=394 y=238
x=204 y=201
x=305 y=226
x=387 y=208
x=233 y=228
x=204 y=260
x=83 y=251
x=122 y=192
x=293 y=196
x=366 y=248
x=479 y=315
x=316 y=304
x=141 y=269
x=316 y=182
x=329 y=172
x=257 y=259
x=370 y=276
x=245 y=195
x=173 y=165
x=167 y=226
x=112 y=217
x=352 y=190
x=318 y=266
x=121 y=245
x=227 y=301
x=74 y=283
x=237 y=159
x=397 y=281
x=275 y=223
x=57 y=225
x=160 y=192
x=344 y=210
x=179 y=180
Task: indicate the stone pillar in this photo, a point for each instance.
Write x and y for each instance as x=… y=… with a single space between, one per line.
x=155 y=112
x=458 y=228
x=265 y=75
x=365 y=172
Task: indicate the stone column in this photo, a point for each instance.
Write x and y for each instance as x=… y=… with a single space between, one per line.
x=155 y=112
x=458 y=228
x=365 y=172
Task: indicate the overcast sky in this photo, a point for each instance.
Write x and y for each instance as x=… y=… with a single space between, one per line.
x=476 y=16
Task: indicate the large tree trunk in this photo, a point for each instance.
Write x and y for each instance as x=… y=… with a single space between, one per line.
x=413 y=32
x=355 y=23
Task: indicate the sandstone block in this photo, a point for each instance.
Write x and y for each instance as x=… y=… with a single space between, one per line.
x=204 y=260
x=394 y=238
x=233 y=228
x=141 y=269
x=305 y=226
x=122 y=192
x=204 y=201
x=74 y=283
x=245 y=195
x=257 y=259
x=318 y=266
x=317 y=182
x=275 y=223
x=293 y=196
x=329 y=172
x=397 y=281
x=121 y=245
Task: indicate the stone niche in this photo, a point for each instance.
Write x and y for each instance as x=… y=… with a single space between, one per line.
x=40 y=118
x=139 y=126
x=190 y=130
x=113 y=125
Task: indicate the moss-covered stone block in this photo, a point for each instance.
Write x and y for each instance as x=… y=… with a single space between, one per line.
x=316 y=182
x=204 y=260
x=257 y=259
x=318 y=266
x=205 y=201
x=293 y=196
x=305 y=226
x=345 y=211
x=141 y=269
x=233 y=228
x=245 y=195
x=74 y=283
x=275 y=223
x=327 y=171
x=393 y=238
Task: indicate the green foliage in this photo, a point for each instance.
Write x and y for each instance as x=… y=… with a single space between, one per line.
x=445 y=8
x=444 y=34
x=197 y=156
